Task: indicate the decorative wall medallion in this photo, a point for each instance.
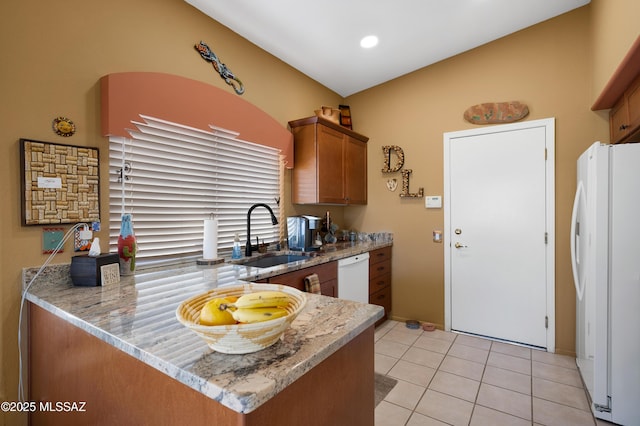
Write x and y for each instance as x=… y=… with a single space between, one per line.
x=386 y=150
x=225 y=73
x=496 y=112
x=392 y=184
x=63 y=126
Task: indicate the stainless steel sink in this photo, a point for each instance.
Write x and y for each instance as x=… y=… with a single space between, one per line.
x=274 y=260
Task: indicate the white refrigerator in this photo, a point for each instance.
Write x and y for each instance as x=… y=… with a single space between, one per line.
x=605 y=254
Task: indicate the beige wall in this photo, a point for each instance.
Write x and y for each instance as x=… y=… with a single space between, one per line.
x=546 y=67
x=549 y=67
x=55 y=53
x=614 y=28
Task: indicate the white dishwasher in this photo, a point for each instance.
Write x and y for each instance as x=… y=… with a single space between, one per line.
x=353 y=278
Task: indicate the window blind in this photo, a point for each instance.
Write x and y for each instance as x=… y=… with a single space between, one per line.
x=171 y=177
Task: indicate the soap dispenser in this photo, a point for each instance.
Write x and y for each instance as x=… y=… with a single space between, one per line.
x=236 y=253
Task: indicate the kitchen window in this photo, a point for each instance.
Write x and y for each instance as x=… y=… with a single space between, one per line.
x=171 y=177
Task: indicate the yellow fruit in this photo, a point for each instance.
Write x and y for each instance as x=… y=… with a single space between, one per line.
x=251 y=315
x=263 y=299
x=211 y=314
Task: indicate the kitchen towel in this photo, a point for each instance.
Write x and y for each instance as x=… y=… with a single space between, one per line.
x=312 y=284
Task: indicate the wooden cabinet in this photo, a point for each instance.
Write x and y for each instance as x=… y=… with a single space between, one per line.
x=622 y=96
x=380 y=279
x=624 y=117
x=330 y=165
x=67 y=363
x=327 y=274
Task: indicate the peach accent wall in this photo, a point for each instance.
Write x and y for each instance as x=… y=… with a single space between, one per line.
x=182 y=100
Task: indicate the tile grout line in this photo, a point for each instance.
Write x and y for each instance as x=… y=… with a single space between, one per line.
x=484 y=369
x=531 y=382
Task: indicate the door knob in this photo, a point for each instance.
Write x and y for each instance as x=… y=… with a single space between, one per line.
x=458 y=245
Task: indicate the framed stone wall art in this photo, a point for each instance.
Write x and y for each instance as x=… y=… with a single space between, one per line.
x=60 y=183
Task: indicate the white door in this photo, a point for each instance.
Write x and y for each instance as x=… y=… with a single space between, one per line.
x=499 y=232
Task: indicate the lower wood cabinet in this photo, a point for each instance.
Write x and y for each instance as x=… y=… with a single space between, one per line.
x=67 y=363
x=327 y=274
x=380 y=280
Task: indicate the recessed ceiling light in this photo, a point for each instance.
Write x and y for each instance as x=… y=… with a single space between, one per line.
x=369 y=41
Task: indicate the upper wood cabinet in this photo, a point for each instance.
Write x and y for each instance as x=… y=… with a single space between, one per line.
x=330 y=165
x=622 y=95
x=624 y=117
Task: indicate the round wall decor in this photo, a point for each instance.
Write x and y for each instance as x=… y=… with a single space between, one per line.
x=63 y=126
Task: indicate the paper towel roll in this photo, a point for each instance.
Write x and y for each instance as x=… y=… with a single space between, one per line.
x=210 y=244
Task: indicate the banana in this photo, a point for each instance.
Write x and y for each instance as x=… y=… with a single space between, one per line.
x=251 y=315
x=262 y=299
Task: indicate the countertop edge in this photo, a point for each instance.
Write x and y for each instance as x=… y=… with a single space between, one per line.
x=239 y=403
x=242 y=405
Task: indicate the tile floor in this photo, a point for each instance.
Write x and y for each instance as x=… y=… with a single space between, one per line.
x=454 y=379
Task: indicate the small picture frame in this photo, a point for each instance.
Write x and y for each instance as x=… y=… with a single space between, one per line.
x=59 y=183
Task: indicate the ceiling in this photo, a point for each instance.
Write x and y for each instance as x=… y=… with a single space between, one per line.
x=322 y=38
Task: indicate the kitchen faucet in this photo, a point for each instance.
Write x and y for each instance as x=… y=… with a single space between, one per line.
x=274 y=221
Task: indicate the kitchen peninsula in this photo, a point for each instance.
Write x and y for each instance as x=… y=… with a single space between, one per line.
x=120 y=350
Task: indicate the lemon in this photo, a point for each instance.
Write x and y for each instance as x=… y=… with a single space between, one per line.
x=211 y=314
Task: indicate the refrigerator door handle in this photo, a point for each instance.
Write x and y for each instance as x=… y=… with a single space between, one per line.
x=579 y=204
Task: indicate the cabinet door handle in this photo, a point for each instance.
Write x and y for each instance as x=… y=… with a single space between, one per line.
x=380 y=283
x=380 y=268
x=623 y=127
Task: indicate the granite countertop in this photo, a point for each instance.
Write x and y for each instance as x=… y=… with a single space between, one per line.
x=137 y=316
x=327 y=254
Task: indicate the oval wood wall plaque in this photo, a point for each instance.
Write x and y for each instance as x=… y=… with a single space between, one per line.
x=496 y=112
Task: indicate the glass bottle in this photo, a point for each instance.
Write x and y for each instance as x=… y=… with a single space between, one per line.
x=236 y=253
x=127 y=246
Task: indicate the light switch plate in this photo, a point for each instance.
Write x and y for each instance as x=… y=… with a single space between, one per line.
x=433 y=201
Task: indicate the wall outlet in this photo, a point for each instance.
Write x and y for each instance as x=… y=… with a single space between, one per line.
x=82 y=239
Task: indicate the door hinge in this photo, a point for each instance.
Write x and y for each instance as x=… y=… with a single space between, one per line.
x=546 y=238
x=545 y=154
x=603 y=408
x=546 y=322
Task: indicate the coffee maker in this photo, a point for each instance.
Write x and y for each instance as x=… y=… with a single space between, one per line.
x=301 y=232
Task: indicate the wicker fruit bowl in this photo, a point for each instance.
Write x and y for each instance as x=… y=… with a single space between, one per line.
x=240 y=338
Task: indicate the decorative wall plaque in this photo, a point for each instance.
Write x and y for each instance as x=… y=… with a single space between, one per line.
x=405 y=186
x=496 y=112
x=63 y=126
x=60 y=183
x=389 y=168
x=386 y=152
